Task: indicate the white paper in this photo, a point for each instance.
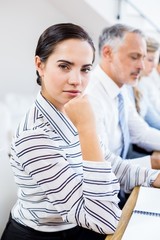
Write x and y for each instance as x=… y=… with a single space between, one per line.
x=148 y=200
x=143 y=226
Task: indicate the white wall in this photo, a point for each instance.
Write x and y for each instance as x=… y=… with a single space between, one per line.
x=21 y=23
x=130 y=13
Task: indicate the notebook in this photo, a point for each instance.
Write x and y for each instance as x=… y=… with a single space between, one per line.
x=145 y=220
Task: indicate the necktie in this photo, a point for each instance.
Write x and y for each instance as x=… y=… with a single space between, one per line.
x=123 y=125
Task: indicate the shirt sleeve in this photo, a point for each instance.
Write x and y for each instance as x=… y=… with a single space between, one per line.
x=131 y=174
x=152 y=117
x=141 y=133
x=150 y=90
x=88 y=199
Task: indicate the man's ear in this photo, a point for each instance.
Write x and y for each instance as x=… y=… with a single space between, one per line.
x=107 y=52
x=39 y=65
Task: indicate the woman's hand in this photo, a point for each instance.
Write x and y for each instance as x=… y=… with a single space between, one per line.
x=80 y=112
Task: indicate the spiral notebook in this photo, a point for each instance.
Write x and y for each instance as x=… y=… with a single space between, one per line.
x=145 y=220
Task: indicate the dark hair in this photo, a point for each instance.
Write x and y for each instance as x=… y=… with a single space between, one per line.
x=55 y=34
x=114 y=34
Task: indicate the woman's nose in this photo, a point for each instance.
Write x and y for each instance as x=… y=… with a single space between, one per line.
x=75 y=79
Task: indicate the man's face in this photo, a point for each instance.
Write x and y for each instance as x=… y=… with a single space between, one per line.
x=128 y=60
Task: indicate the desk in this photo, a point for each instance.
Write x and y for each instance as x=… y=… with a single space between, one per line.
x=126 y=214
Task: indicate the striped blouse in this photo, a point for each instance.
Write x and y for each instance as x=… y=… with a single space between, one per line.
x=57 y=189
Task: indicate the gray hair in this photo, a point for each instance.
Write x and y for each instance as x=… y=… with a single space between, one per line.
x=114 y=35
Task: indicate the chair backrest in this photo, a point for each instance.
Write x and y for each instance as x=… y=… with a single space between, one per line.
x=8 y=189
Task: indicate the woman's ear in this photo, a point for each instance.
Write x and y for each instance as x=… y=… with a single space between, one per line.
x=39 y=65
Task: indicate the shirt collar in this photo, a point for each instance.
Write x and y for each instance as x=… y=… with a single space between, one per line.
x=57 y=120
x=108 y=84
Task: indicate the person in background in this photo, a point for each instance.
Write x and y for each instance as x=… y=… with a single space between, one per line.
x=158 y=68
x=122 y=50
x=143 y=105
x=67 y=190
x=149 y=84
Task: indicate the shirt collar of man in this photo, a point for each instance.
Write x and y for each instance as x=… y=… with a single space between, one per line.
x=108 y=84
x=56 y=119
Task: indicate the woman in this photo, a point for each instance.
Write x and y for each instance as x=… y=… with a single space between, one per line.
x=139 y=94
x=149 y=84
x=66 y=188
x=142 y=100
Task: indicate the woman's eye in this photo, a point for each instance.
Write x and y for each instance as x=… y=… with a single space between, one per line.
x=63 y=67
x=86 y=70
x=150 y=60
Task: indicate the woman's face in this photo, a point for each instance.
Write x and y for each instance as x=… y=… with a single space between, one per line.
x=66 y=72
x=150 y=62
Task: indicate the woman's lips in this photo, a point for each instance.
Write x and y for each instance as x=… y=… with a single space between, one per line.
x=72 y=92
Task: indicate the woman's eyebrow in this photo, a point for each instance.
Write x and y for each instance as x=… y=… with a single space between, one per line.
x=88 y=65
x=71 y=63
x=65 y=61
